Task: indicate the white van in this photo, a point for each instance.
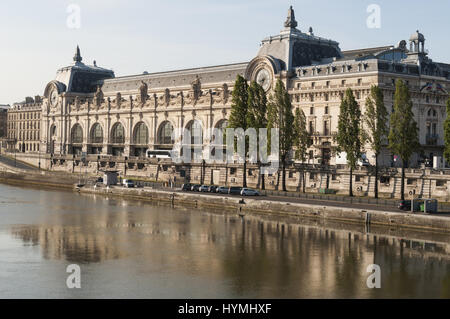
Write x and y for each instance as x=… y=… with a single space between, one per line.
x=158 y=154
x=128 y=183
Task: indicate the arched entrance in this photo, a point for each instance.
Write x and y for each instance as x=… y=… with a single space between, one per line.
x=117 y=139
x=140 y=139
x=96 y=139
x=76 y=139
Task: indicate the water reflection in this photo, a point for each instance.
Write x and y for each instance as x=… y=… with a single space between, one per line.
x=237 y=257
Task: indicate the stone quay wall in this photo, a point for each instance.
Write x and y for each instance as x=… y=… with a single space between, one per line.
x=424 y=183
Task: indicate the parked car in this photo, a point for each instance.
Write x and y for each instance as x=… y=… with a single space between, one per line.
x=249 y=192
x=195 y=188
x=128 y=183
x=204 y=189
x=186 y=187
x=212 y=189
x=223 y=190
x=235 y=191
x=405 y=205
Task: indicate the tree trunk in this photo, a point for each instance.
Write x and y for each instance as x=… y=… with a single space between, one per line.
x=304 y=180
x=284 y=177
x=402 y=188
x=351 y=182
x=263 y=184
x=278 y=180
x=376 y=175
x=244 y=182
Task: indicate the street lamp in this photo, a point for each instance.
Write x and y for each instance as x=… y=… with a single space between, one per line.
x=15 y=147
x=39 y=152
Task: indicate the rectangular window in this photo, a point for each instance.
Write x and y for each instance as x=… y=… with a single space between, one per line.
x=440 y=183
x=326 y=128
x=357 y=178
x=311 y=110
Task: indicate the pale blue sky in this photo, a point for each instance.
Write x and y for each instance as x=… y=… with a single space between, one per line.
x=135 y=36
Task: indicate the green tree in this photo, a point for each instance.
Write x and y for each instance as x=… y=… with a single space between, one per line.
x=403 y=133
x=238 y=115
x=376 y=120
x=349 y=132
x=280 y=116
x=447 y=134
x=257 y=114
x=302 y=140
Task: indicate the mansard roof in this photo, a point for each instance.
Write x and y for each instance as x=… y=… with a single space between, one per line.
x=294 y=48
x=80 y=77
x=353 y=54
x=178 y=78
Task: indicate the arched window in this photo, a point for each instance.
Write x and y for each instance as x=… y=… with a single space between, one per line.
x=165 y=133
x=77 y=134
x=118 y=134
x=141 y=134
x=195 y=128
x=222 y=127
x=53 y=131
x=97 y=134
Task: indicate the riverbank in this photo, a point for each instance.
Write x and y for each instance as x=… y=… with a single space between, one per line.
x=242 y=206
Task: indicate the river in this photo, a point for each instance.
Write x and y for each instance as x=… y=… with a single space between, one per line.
x=130 y=249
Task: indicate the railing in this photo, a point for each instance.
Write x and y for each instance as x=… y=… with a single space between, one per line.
x=431 y=139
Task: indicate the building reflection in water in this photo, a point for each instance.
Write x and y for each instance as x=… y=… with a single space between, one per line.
x=257 y=257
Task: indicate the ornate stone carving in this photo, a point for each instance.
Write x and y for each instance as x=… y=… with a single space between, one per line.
x=77 y=103
x=196 y=89
x=290 y=20
x=225 y=93
x=118 y=99
x=167 y=97
x=98 y=97
x=143 y=90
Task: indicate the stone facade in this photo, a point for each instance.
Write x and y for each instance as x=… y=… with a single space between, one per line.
x=88 y=111
x=3 y=120
x=24 y=125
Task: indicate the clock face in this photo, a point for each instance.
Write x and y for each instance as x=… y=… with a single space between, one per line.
x=54 y=97
x=263 y=78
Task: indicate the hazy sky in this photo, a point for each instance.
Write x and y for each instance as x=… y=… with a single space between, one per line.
x=135 y=36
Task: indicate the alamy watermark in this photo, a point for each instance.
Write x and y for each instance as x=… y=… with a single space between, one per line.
x=74 y=279
x=374 y=19
x=251 y=145
x=374 y=279
x=73 y=20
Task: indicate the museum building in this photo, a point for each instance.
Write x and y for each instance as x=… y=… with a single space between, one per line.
x=86 y=109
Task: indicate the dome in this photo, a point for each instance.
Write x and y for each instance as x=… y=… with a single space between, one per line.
x=417 y=36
